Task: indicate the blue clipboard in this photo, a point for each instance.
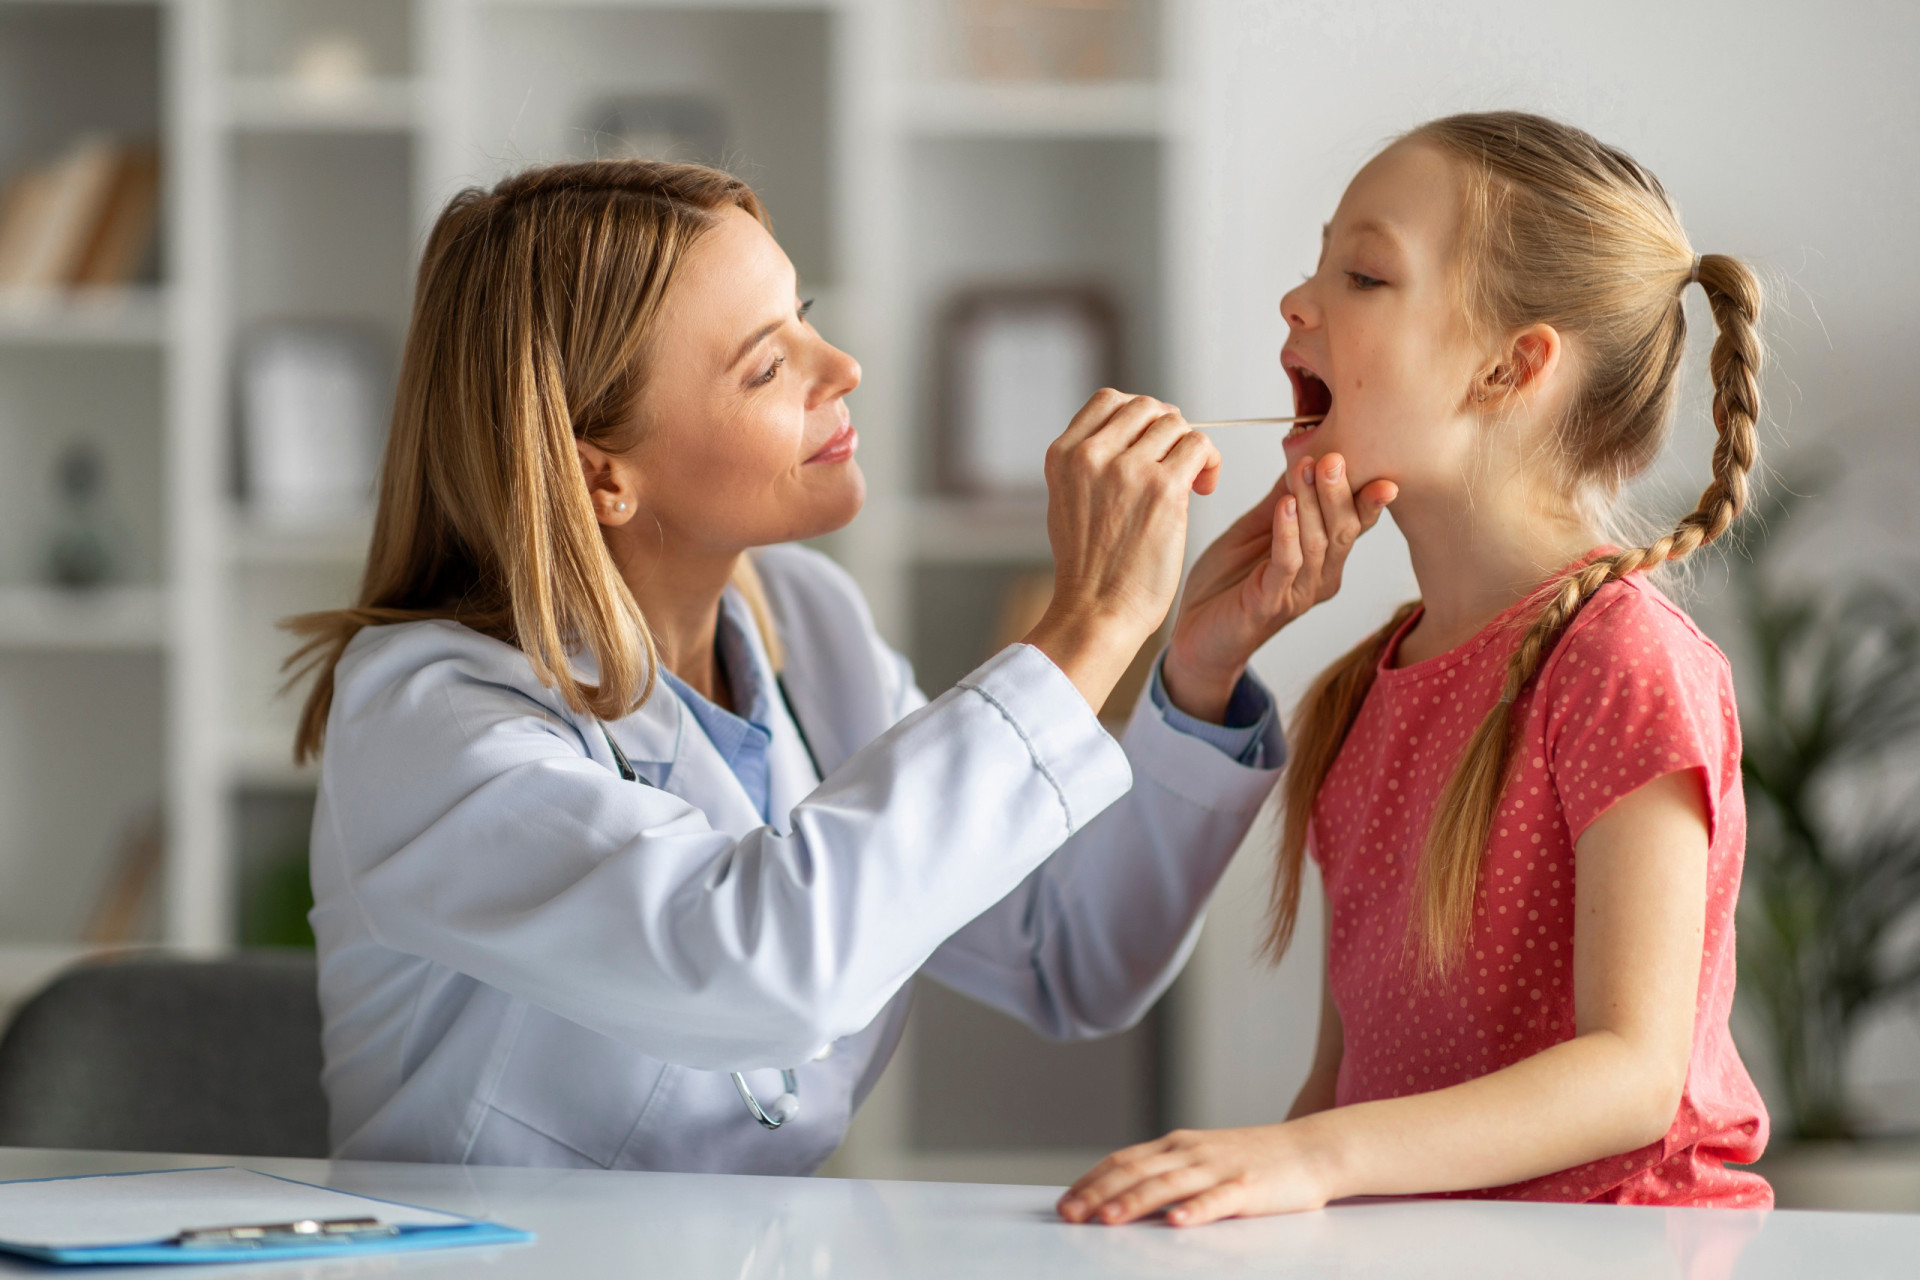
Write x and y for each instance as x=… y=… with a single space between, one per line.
x=218 y=1214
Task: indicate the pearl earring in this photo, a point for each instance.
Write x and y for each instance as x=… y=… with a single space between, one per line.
x=619 y=506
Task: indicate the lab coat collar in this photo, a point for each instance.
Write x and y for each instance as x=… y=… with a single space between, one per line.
x=652 y=735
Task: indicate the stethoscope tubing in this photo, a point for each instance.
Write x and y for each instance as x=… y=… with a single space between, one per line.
x=784 y=1108
x=787 y=1106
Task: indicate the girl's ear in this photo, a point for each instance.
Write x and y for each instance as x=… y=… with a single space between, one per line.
x=1526 y=369
x=609 y=486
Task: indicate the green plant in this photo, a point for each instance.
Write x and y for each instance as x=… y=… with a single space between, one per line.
x=275 y=899
x=1830 y=714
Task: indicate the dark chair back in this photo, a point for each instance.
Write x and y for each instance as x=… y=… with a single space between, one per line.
x=159 y=1054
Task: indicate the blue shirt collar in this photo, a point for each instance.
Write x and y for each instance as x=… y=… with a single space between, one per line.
x=742 y=741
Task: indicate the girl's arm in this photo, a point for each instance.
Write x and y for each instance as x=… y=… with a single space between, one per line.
x=1318 y=1092
x=1640 y=900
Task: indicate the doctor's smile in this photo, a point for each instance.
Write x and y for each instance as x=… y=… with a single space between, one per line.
x=840 y=447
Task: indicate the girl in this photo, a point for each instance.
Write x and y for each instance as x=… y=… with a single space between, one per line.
x=1523 y=792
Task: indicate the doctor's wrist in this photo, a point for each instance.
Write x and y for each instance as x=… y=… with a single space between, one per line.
x=1091 y=652
x=1202 y=693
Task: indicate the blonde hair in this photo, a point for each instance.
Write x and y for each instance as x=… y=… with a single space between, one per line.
x=533 y=314
x=1566 y=231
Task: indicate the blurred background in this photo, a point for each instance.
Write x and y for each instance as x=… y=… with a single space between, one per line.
x=209 y=214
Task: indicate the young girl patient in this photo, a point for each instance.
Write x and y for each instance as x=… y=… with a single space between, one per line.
x=1522 y=792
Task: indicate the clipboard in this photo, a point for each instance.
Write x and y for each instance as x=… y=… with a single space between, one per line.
x=218 y=1214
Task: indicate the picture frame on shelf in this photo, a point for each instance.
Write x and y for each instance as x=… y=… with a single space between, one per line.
x=1016 y=363
x=1053 y=40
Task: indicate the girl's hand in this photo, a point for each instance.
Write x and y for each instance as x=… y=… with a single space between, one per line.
x=1276 y=562
x=1118 y=481
x=1205 y=1175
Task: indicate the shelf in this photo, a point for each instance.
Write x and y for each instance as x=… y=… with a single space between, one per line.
x=263 y=104
x=93 y=317
x=256 y=541
x=964 y=530
x=1125 y=109
x=106 y=618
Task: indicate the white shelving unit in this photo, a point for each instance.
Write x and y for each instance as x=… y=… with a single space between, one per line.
x=47 y=619
x=84 y=676
x=894 y=180
x=134 y=316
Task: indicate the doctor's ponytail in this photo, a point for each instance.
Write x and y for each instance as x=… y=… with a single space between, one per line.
x=534 y=311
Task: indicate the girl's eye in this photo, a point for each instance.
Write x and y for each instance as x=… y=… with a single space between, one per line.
x=804 y=308
x=772 y=369
x=1363 y=282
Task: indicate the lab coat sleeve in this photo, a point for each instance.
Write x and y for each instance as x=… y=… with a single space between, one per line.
x=522 y=859
x=1096 y=934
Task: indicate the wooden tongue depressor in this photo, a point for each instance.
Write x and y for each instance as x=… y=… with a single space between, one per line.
x=1254 y=422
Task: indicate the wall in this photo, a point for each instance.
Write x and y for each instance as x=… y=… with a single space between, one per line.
x=1785 y=133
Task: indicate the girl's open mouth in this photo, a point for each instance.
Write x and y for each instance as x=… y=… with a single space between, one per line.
x=1312 y=399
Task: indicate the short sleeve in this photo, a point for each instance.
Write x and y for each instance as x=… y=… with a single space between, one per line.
x=1636 y=693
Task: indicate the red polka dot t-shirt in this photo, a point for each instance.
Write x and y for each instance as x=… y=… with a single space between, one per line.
x=1631 y=692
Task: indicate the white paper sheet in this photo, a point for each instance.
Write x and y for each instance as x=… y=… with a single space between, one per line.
x=140 y=1208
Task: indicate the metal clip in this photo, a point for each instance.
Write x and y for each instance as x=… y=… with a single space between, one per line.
x=305 y=1231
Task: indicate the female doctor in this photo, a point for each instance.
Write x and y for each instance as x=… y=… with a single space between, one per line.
x=629 y=844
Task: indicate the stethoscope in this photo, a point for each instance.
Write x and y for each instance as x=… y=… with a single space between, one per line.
x=787 y=1105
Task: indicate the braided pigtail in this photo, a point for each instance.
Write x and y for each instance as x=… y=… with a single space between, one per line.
x=1320 y=725
x=1449 y=875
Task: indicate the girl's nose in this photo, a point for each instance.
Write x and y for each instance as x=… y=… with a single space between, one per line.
x=1297 y=307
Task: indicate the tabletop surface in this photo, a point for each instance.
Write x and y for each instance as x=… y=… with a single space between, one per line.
x=594 y=1223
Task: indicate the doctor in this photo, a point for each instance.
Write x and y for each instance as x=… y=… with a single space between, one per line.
x=630 y=843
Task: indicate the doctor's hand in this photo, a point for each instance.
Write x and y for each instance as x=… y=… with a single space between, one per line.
x=1118 y=480
x=1200 y=1176
x=1276 y=562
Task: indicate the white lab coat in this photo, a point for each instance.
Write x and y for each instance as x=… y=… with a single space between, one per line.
x=525 y=959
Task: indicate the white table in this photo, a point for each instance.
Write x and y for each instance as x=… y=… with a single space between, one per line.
x=668 y=1226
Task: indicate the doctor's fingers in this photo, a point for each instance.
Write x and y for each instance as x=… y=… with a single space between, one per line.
x=1197 y=459
x=1284 y=559
x=1082 y=456
x=1184 y=459
x=1159 y=436
x=1124 y=427
x=1345 y=516
x=1302 y=479
x=1093 y=415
